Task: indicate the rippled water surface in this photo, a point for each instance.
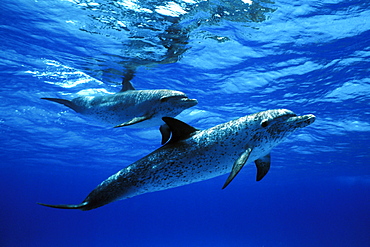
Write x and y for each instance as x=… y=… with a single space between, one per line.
x=236 y=58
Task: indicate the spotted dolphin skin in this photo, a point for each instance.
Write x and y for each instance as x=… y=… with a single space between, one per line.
x=144 y=108
x=193 y=155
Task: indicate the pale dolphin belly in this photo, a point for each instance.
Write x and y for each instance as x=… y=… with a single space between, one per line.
x=173 y=167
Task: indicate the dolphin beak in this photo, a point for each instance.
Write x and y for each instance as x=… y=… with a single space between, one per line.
x=302 y=121
x=191 y=102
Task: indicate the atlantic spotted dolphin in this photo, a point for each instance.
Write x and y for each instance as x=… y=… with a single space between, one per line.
x=144 y=108
x=193 y=155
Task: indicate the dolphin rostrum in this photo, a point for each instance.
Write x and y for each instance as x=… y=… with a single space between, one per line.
x=129 y=106
x=193 y=155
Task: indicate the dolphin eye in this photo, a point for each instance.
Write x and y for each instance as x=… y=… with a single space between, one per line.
x=164 y=99
x=167 y=98
x=264 y=123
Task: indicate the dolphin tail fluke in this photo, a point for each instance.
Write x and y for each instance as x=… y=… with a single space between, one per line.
x=81 y=206
x=65 y=102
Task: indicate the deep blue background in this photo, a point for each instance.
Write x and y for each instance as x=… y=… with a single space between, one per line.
x=307 y=56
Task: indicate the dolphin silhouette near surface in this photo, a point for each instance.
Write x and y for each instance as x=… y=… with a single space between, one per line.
x=144 y=108
x=193 y=155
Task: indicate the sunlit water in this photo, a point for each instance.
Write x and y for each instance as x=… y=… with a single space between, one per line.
x=236 y=58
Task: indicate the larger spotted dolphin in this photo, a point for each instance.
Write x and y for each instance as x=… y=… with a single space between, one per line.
x=193 y=155
x=144 y=108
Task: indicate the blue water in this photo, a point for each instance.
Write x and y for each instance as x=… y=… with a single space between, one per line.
x=236 y=58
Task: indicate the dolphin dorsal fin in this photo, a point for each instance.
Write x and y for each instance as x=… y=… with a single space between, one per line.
x=126 y=86
x=179 y=130
x=165 y=132
x=126 y=82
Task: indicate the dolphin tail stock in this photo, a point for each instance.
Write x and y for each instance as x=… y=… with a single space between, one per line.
x=65 y=102
x=82 y=206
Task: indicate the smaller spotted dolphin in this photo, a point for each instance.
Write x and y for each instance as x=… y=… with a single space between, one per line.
x=193 y=155
x=144 y=108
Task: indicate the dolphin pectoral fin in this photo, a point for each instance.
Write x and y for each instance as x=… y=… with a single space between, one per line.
x=66 y=206
x=65 y=102
x=133 y=121
x=238 y=165
x=263 y=166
